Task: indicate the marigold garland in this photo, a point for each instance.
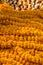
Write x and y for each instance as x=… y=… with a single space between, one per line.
x=21 y=37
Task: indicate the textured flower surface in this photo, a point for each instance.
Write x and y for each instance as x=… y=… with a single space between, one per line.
x=24 y=4
x=21 y=36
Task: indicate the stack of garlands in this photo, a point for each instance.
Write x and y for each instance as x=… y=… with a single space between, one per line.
x=21 y=36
